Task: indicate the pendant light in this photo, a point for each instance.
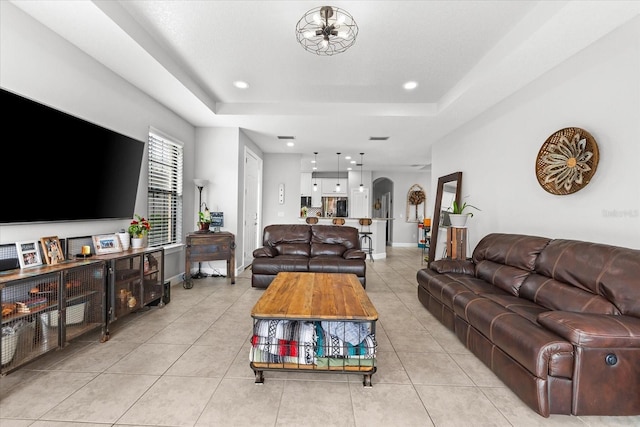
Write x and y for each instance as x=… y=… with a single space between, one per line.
x=361 y=186
x=338 y=184
x=315 y=168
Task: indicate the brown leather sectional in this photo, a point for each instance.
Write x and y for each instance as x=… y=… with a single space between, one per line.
x=307 y=248
x=558 y=321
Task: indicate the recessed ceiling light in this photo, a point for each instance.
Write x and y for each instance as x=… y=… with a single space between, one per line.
x=410 y=85
x=290 y=144
x=240 y=84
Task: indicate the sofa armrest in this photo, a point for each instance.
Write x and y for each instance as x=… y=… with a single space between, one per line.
x=265 y=252
x=453 y=266
x=354 y=254
x=593 y=330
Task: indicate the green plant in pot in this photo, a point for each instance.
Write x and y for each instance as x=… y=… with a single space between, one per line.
x=204 y=219
x=458 y=217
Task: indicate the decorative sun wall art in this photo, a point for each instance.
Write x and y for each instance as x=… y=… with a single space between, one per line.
x=567 y=161
x=416 y=197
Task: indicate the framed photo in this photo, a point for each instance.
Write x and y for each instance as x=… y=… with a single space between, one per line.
x=28 y=254
x=107 y=244
x=52 y=250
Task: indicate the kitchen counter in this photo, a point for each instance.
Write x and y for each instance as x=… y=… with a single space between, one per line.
x=378 y=228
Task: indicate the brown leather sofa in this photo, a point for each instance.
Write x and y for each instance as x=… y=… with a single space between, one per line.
x=307 y=248
x=558 y=321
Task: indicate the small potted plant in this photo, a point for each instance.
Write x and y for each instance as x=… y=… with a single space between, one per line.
x=138 y=228
x=204 y=219
x=457 y=217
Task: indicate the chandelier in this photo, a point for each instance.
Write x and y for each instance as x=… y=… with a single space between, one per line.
x=326 y=30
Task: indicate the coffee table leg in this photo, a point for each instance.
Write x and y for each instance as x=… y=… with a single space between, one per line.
x=259 y=376
x=367 y=380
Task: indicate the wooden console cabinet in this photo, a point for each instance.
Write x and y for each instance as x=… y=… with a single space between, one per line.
x=210 y=247
x=48 y=306
x=135 y=278
x=457 y=243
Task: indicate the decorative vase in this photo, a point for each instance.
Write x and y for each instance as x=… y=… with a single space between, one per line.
x=125 y=240
x=458 y=220
x=136 y=242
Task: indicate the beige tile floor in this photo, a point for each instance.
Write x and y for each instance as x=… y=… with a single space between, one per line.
x=187 y=364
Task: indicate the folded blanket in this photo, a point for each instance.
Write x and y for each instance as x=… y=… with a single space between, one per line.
x=351 y=332
x=331 y=346
x=285 y=329
x=305 y=351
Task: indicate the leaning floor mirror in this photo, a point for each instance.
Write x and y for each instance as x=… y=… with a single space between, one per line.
x=448 y=191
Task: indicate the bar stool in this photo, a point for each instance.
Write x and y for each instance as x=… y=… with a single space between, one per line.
x=312 y=220
x=366 y=243
x=338 y=221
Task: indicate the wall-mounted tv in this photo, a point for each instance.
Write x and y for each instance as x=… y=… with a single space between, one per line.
x=58 y=167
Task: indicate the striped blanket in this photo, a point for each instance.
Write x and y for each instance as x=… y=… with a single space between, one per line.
x=302 y=342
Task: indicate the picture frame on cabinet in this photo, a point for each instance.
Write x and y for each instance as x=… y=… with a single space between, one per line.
x=107 y=244
x=28 y=253
x=52 y=250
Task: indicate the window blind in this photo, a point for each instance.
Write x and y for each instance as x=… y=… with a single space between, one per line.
x=164 y=194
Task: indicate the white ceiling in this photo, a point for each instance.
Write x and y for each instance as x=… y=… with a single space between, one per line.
x=465 y=55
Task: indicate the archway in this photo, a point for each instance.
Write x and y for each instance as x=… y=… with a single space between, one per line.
x=383 y=204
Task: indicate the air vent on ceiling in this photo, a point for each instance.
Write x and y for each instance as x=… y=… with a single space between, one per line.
x=378 y=138
x=286 y=137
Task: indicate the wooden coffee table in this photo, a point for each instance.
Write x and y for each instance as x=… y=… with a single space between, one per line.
x=316 y=297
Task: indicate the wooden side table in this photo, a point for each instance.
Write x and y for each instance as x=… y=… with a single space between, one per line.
x=210 y=247
x=457 y=243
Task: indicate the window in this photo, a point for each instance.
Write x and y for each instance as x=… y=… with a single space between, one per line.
x=165 y=190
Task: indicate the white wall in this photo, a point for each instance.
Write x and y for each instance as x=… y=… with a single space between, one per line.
x=38 y=64
x=281 y=169
x=597 y=90
x=406 y=233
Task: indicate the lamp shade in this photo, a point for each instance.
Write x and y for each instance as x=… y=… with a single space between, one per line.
x=200 y=182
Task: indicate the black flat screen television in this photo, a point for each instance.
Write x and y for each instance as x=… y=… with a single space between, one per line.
x=58 y=167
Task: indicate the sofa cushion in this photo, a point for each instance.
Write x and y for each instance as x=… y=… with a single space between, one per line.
x=526 y=342
x=556 y=295
x=301 y=249
x=335 y=235
x=505 y=277
x=276 y=234
x=525 y=308
x=334 y=264
x=319 y=249
x=593 y=330
x=609 y=271
x=265 y=251
x=272 y=266
x=516 y=250
x=453 y=266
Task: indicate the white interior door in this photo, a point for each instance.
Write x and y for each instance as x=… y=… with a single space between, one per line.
x=252 y=187
x=359 y=204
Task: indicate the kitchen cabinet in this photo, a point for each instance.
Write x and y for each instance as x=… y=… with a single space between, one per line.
x=306 y=186
x=316 y=197
x=329 y=187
